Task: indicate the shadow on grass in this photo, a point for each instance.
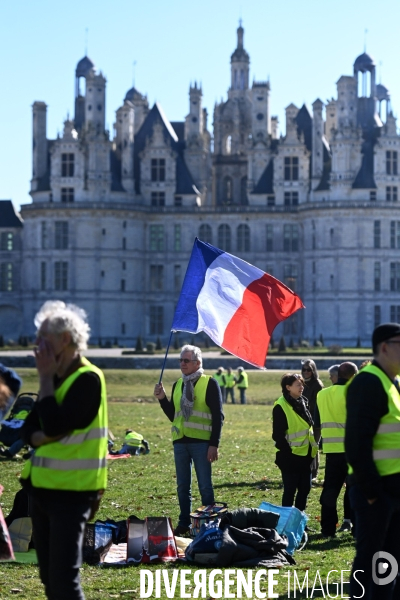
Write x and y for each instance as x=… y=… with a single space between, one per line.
x=257 y=485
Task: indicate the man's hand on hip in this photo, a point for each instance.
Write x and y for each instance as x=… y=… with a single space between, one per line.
x=212 y=454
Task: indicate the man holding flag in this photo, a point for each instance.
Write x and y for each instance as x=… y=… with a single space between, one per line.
x=195 y=410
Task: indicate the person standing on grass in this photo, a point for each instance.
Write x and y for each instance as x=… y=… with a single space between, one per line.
x=292 y=433
x=372 y=445
x=329 y=422
x=230 y=380
x=195 y=410
x=67 y=474
x=219 y=377
x=312 y=385
x=242 y=384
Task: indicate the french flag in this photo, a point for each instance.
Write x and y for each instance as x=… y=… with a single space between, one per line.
x=235 y=303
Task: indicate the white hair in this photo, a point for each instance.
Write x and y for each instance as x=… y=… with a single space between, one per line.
x=65 y=317
x=196 y=352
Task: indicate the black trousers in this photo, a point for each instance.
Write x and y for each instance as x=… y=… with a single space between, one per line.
x=335 y=476
x=58 y=529
x=296 y=484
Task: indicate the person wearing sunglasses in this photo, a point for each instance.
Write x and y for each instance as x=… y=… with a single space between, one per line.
x=312 y=385
x=372 y=446
x=292 y=433
x=195 y=411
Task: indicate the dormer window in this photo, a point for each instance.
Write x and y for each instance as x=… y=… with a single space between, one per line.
x=228 y=144
x=158 y=169
x=67 y=164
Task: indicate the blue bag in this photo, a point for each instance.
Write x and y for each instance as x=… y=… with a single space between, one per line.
x=292 y=523
x=207 y=541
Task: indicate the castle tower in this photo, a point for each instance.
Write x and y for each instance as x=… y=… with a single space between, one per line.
x=261 y=119
x=95 y=103
x=194 y=125
x=317 y=156
x=39 y=154
x=140 y=104
x=84 y=66
x=240 y=65
x=124 y=129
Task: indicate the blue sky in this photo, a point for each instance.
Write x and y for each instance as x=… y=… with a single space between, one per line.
x=302 y=47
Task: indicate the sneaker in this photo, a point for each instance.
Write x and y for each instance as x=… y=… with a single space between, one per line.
x=181 y=531
x=345 y=526
x=5 y=453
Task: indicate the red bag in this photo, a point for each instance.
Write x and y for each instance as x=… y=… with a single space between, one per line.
x=151 y=540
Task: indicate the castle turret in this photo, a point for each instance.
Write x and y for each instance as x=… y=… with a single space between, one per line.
x=317 y=156
x=95 y=102
x=83 y=68
x=194 y=125
x=140 y=104
x=39 y=143
x=261 y=120
x=240 y=65
x=124 y=129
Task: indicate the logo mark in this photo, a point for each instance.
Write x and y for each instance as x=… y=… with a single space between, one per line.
x=384 y=568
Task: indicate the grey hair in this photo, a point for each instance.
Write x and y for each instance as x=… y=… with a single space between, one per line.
x=65 y=317
x=196 y=352
x=333 y=369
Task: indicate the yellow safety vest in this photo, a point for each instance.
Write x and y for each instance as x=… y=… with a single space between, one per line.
x=230 y=381
x=245 y=382
x=76 y=462
x=299 y=433
x=331 y=404
x=386 y=441
x=200 y=421
x=133 y=439
x=219 y=379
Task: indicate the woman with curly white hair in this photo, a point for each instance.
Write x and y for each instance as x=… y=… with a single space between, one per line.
x=66 y=476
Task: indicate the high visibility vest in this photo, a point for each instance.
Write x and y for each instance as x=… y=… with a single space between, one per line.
x=299 y=433
x=386 y=441
x=133 y=439
x=77 y=461
x=245 y=382
x=21 y=415
x=230 y=381
x=200 y=421
x=331 y=404
x=219 y=379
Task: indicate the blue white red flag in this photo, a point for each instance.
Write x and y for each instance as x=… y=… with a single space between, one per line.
x=235 y=303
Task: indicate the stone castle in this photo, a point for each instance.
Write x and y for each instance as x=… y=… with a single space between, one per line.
x=114 y=215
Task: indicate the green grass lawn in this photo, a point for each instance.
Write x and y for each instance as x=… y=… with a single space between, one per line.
x=244 y=476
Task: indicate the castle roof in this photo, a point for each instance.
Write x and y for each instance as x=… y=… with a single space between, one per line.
x=133 y=94
x=265 y=184
x=364 y=63
x=8 y=216
x=84 y=66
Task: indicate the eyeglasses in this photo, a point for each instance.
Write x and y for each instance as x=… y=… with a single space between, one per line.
x=306 y=369
x=186 y=360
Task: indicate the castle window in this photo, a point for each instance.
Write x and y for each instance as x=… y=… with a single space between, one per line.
x=177 y=238
x=377 y=277
x=205 y=233
x=228 y=144
x=6 y=277
x=290 y=274
x=67 y=194
x=395 y=314
x=228 y=190
x=178 y=201
x=291 y=198
x=372 y=195
x=270 y=269
x=61 y=235
x=122 y=285
x=67 y=164
x=290 y=238
x=158 y=169
x=224 y=237
x=123 y=328
x=158 y=198
x=377 y=234
x=391 y=193
x=290 y=326
x=43 y=276
x=177 y=278
x=391 y=162
x=271 y=200
x=123 y=243
x=377 y=315
x=156 y=278
x=43 y=235
x=269 y=246
x=156 y=320
x=395 y=234
x=291 y=168
x=60 y=276
x=156 y=238
x=243 y=190
x=243 y=238
x=395 y=277
x=7 y=241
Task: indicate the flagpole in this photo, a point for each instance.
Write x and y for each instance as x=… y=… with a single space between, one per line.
x=166 y=353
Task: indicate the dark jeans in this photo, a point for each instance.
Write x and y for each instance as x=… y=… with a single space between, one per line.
x=335 y=476
x=185 y=456
x=293 y=482
x=378 y=529
x=230 y=392
x=58 y=529
x=243 y=399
